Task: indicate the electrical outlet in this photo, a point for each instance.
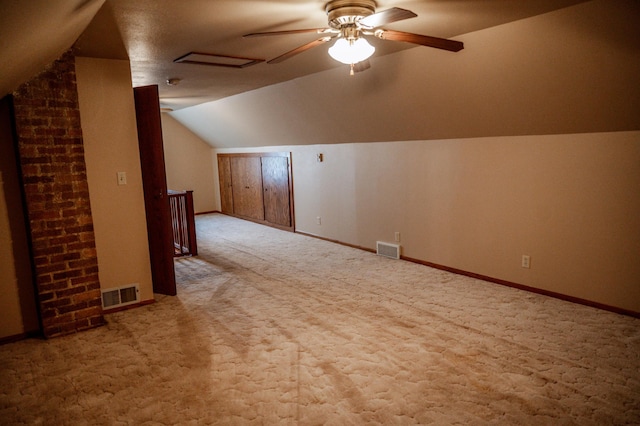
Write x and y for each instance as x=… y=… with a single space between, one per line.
x=397 y=237
x=319 y=220
x=526 y=261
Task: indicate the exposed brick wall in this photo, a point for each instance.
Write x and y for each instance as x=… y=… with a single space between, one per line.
x=53 y=168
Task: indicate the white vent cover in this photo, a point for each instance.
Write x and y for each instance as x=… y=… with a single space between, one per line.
x=120 y=296
x=388 y=250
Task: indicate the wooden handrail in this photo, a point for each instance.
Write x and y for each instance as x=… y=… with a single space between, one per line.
x=183 y=222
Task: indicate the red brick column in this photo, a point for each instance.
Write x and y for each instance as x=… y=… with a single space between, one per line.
x=53 y=168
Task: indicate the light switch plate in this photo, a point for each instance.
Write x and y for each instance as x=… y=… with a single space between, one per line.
x=122 y=178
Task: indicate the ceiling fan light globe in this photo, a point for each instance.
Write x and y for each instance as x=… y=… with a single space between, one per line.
x=351 y=52
x=364 y=49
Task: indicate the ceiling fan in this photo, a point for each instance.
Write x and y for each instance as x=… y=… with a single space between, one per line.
x=350 y=21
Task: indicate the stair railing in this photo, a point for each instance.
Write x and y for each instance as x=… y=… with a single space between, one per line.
x=183 y=222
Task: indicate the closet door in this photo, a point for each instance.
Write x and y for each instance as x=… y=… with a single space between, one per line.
x=246 y=177
x=226 y=189
x=275 y=182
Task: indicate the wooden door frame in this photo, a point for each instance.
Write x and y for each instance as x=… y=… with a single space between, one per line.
x=19 y=225
x=154 y=182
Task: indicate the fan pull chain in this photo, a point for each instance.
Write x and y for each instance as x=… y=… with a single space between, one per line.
x=351 y=73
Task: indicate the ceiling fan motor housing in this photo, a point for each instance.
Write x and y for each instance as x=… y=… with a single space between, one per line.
x=345 y=12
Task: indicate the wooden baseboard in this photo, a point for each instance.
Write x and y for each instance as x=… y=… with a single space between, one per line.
x=262 y=222
x=38 y=333
x=209 y=212
x=530 y=289
x=126 y=308
x=536 y=290
x=21 y=336
x=331 y=240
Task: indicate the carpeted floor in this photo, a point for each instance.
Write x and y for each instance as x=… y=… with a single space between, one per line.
x=271 y=327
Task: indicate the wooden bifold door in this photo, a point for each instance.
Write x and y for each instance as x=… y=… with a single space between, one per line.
x=257 y=187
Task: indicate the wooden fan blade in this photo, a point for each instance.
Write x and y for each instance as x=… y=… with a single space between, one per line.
x=385 y=17
x=362 y=66
x=272 y=33
x=298 y=50
x=438 y=43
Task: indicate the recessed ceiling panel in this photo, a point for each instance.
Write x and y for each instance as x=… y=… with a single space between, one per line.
x=217 y=60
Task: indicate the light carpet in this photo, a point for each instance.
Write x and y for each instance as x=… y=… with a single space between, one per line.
x=271 y=327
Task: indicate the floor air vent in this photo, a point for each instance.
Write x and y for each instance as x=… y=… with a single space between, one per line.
x=120 y=296
x=388 y=250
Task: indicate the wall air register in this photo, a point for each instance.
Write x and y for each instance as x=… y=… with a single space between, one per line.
x=120 y=296
x=388 y=250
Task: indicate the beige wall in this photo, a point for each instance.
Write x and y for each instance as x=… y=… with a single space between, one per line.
x=568 y=201
x=11 y=315
x=18 y=313
x=525 y=143
x=111 y=146
x=188 y=164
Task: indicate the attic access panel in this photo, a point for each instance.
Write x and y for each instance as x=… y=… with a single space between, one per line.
x=215 y=60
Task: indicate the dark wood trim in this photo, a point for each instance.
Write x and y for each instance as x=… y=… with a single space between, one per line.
x=530 y=289
x=499 y=281
x=292 y=205
x=335 y=241
x=183 y=223
x=260 y=222
x=191 y=214
x=154 y=186
x=209 y=212
x=22 y=336
x=37 y=334
x=285 y=154
x=127 y=307
x=257 y=154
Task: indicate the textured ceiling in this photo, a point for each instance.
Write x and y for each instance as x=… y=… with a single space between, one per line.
x=34 y=33
x=153 y=33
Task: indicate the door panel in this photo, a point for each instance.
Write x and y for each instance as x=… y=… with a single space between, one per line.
x=246 y=175
x=275 y=182
x=257 y=186
x=226 y=189
x=154 y=182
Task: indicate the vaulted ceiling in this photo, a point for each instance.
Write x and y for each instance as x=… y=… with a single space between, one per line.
x=153 y=33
